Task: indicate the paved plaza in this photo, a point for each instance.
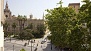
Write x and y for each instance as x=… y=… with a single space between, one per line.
x=16 y=45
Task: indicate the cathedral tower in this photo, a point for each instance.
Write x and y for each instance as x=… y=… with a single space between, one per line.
x=7 y=12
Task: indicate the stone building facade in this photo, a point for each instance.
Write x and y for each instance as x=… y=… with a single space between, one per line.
x=76 y=6
x=10 y=19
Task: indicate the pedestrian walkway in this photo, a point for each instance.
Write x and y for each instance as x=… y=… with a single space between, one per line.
x=21 y=42
x=36 y=45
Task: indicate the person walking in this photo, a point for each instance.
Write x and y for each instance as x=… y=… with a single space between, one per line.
x=34 y=41
x=35 y=49
x=41 y=46
x=37 y=44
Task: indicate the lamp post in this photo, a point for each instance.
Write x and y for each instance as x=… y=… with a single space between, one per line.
x=31 y=45
x=10 y=38
x=51 y=43
x=13 y=47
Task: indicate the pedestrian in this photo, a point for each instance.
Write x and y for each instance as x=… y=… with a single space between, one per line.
x=33 y=45
x=34 y=41
x=41 y=46
x=35 y=49
x=37 y=44
x=25 y=44
x=28 y=42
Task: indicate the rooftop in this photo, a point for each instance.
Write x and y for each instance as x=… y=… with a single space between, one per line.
x=74 y=3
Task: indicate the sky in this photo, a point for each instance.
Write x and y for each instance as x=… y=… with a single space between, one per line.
x=34 y=7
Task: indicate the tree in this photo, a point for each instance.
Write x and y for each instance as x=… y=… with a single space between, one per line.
x=5 y=25
x=24 y=19
x=30 y=26
x=26 y=34
x=59 y=21
x=20 y=22
x=22 y=49
x=40 y=30
x=68 y=29
x=29 y=34
x=21 y=35
x=85 y=17
x=77 y=38
x=14 y=26
x=86 y=5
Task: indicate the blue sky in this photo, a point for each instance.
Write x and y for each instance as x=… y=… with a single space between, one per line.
x=35 y=7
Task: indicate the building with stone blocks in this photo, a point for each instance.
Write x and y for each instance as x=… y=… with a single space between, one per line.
x=76 y=6
x=10 y=19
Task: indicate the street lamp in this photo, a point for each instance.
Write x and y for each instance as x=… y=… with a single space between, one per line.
x=31 y=45
x=13 y=46
x=51 y=41
x=10 y=38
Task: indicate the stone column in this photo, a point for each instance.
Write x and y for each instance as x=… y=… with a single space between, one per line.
x=1 y=26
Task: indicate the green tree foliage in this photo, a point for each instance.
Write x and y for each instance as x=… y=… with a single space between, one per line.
x=84 y=16
x=59 y=21
x=29 y=34
x=36 y=34
x=22 y=49
x=26 y=35
x=67 y=27
x=24 y=19
x=21 y=19
x=14 y=26
x=30 y=26
x=20 y=22
x=5 y=25
x=41 y=30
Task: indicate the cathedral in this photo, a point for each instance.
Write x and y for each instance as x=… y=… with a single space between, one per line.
x=12 y=19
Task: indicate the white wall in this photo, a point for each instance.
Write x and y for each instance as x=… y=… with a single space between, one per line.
x=0 y=12
x=1 y=27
